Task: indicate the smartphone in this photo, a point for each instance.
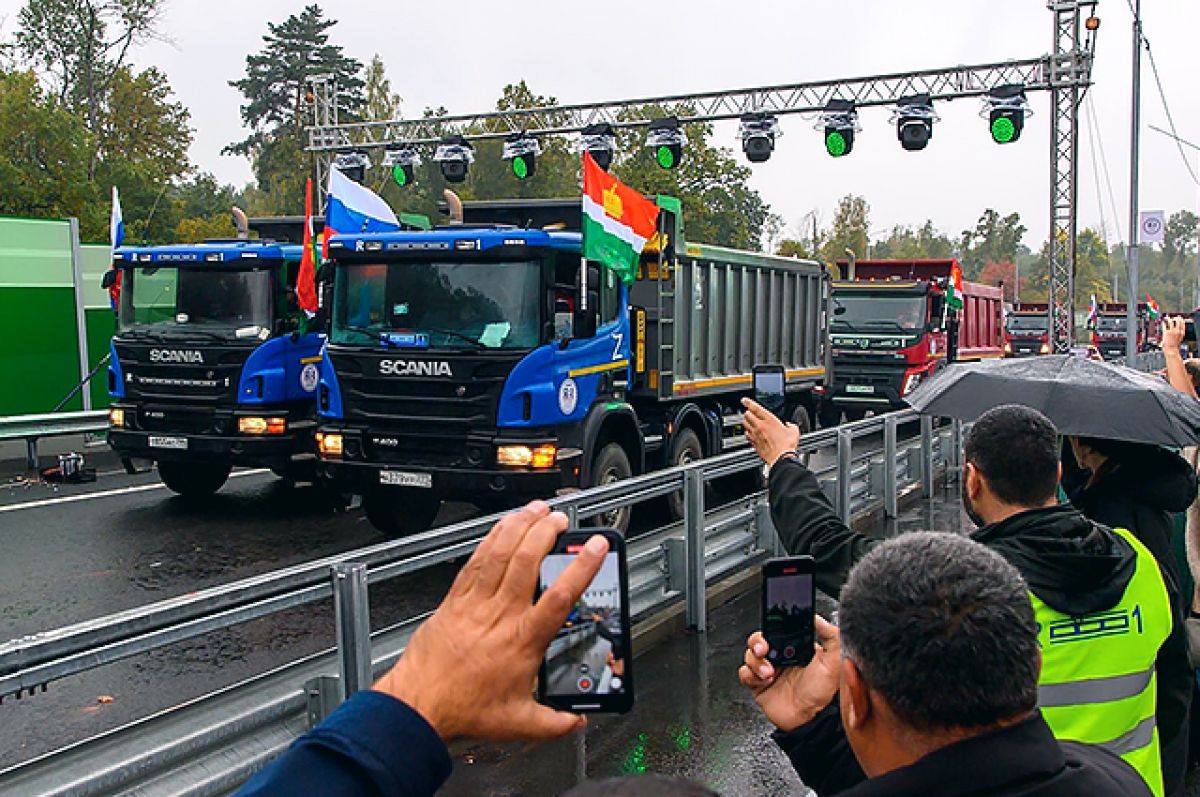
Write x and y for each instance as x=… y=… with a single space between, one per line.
x=589 y=666
x=769 y=387
x=788 y=601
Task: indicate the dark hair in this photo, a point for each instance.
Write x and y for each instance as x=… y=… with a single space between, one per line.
x=1193 y=370
x=1016 y=450
x=641 y=786
x=1120 y=450
x=943 y=628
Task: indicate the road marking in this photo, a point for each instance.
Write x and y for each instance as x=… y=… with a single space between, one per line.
x=141 y=488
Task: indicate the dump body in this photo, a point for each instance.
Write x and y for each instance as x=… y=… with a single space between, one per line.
x=891 y=329
x=494 y=365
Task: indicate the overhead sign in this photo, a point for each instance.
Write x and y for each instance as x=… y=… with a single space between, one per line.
x=1152 y=226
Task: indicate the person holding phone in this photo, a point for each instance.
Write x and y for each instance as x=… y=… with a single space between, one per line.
x=935 y=675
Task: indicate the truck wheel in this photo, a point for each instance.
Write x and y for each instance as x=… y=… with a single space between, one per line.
x=193 y=479
x=612 y=465
x=685 y=449
x=400 y=511
x=830 y=415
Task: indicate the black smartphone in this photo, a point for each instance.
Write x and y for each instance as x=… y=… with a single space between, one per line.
x=788 y=601
x=1189 y=329
x=769 y=384
x=589 y=665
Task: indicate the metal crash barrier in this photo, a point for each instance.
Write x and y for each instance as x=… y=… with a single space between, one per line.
x=32 y=428
x=209 y=746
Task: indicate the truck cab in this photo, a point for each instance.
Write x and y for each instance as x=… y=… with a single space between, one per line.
x=213 y=363
x=1027 y=331
x=487 y=362
x=891 y=330
x=1110 y=330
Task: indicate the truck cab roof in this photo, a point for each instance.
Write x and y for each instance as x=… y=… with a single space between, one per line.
x=208 y=252
x=457 y=238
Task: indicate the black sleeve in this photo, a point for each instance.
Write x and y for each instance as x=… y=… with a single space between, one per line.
x=821 y=754
x=809 y=526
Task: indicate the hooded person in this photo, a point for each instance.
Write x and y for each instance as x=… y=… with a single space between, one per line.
x=1141 y=488
x=1100 y=601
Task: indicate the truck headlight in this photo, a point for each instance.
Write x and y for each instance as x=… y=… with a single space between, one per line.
x=116 y=417
x=541 y=457
x=257 y=425
x=330 y=445
x=1045 y=348
x=1008 y=348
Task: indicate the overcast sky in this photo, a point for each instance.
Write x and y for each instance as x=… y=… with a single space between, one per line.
x=461 y=54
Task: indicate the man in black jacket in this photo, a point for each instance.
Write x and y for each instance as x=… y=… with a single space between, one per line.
x=937 y=660
x=1075 y=565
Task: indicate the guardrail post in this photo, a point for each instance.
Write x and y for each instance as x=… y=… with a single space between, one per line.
x=956 y=448
x=768 y=538
x=351 y=617
x=572 y=511
x=927 y=455
x=31 y=455
x=845 y=450
x=891 y=488
x=693 y=524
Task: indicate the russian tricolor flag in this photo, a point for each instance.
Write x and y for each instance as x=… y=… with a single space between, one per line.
x=352 y=208
x=116 y=221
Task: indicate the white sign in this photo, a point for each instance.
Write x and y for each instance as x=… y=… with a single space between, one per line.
x=309 y=376
x=1152 y=227
x=568 y=396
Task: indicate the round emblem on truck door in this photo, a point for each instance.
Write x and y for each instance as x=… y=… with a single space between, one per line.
x=309 y=377
x=568 y=396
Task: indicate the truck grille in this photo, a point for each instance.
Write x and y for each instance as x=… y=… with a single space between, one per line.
x=213 y=381
x=864 y=374
x=180 y=420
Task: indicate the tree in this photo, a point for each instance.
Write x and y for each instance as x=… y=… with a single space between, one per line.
x=276 y=91
x=995 y=239
x=908 y=243
x=851 y=223
x=81 y=46
x=1092 y=271
x=381 y=103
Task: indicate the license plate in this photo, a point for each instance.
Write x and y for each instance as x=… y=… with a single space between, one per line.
x=176 y=443
x=860 y=388
x=400 y=478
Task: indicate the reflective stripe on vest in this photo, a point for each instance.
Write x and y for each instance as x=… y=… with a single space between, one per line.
x=1098 y=683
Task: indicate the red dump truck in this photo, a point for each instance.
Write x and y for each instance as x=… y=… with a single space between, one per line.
x=891 y=329
x=1027 y=330
x=1110 y=329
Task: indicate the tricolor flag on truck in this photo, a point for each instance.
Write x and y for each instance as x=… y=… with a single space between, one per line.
x=351 y=208
x=617 y=221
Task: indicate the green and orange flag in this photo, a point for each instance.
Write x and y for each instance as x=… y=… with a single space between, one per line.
x=617 y=221
x=1152 y=307
x=954 y=290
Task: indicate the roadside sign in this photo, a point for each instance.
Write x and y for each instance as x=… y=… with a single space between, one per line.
x=1152 y=226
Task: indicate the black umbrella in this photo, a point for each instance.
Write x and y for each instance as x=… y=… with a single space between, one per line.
x=1082 y=397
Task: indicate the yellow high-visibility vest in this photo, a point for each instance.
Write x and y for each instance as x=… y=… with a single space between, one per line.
x=1098 y=683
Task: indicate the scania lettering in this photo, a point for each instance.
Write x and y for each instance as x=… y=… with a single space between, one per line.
x=213 y=364
x=483 y=361
x=891 y=330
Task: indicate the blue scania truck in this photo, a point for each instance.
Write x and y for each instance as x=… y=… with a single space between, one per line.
x=213 y=362
x=485 y=361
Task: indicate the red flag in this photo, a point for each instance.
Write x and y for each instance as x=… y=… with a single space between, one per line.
x=306 y=281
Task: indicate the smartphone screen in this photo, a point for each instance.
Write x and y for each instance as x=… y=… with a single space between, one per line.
x=788 y=597
x=769 y=387
x=589 y=665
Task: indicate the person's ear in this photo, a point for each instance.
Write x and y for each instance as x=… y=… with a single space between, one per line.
x=972 y=480
x=856 y=696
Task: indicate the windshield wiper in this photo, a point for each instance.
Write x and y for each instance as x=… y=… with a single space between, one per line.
x=377 y=334
x=880 y=322
x=474 y=342
x=846 y=324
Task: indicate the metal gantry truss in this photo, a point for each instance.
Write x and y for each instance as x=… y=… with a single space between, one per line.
x=1066 y=74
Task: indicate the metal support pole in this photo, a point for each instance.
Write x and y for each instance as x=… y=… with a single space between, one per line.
x=85 y=367
x=845 y=451
x=31 y=454
x=352 y=620
x=1135 y=121
x=956 y=447
x=927 y=455
x=572 y=516
x=693 y=524
x=891 y=490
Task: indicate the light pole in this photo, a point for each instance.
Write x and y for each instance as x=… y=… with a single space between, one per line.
x=1131 y=311
x=1186 y=143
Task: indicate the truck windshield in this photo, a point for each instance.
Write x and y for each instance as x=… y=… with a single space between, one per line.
x=1027 y=323
x=864 y=310
x=175 y=300
x=485 y=305
x=1111 y=323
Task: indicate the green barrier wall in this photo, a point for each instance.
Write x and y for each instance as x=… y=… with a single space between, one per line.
x=39 y=360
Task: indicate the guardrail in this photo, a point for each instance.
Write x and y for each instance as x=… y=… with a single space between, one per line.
x=31 y=428
x=211 y=745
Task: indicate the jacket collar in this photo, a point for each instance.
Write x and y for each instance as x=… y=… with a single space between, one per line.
x=1019 y=753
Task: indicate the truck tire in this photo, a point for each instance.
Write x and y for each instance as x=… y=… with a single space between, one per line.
x=685 y=448
x=401 y=511
x=611 y=465
x=193 y=479
x=830 y=415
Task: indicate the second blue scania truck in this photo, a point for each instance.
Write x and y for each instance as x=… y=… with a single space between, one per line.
x=484 y=361
x=213 y=362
